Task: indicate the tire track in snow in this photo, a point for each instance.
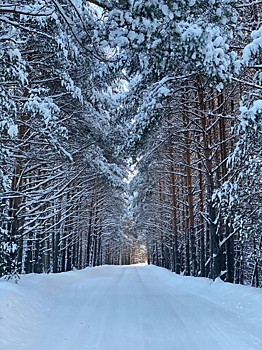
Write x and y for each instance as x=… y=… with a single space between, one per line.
x=131 y=308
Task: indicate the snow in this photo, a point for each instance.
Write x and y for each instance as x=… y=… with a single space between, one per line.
x=248 y=117
x=128 y=307
x=167 y=12
x=13 y=130
x=163 y=90
x=253 y=47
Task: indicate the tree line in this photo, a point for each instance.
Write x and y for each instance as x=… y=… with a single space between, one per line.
x=198 y=188
x=89 y=87
x=61 y=181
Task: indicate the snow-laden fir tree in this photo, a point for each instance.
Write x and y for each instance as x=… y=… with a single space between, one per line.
x=55 y=132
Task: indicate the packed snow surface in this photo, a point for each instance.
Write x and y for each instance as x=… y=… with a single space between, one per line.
x=128 y=308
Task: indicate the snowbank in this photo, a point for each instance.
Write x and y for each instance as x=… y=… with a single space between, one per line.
x=25 y=306
x=243 y=300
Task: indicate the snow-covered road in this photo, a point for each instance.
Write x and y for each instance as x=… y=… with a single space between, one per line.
x=131 y=308
x=125 y=308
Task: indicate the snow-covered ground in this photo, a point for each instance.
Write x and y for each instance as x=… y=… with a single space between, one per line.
x=128 y=308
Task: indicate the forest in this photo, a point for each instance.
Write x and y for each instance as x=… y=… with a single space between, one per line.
x=130 y=131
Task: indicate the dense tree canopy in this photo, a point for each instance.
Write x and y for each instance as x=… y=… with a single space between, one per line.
x=171 y=87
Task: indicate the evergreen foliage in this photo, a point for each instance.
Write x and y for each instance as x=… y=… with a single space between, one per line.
x=88 y=87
